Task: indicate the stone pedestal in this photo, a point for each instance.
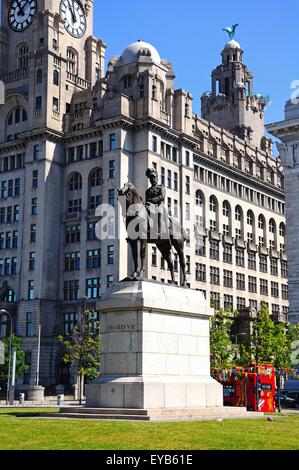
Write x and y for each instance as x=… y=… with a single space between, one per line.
x=36 y=393
x=156 y=352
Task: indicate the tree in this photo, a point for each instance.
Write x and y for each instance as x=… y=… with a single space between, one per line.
x=83 y=348
x=220 y=339
x=263 y=337
x=21 y=367
x=271 y=342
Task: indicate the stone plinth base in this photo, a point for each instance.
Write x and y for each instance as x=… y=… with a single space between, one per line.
x=156 y=352
x=36 y=393
x=166 y=415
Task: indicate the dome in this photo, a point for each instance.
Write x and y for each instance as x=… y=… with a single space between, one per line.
x=232 y=44
x=132 y=52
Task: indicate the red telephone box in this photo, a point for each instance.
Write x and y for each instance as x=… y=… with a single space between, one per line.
x=253 y=388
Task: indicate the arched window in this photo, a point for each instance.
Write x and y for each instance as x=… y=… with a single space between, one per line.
x=39 y=76
x=213 y=204
x=96 y=177
x=226 y=209
x=282 y=230
x=250 y=218
x=17 y=116
x=56 y=78
x=261 y=222
x=75 y=183
x=272 y=226
x=199 y=198
x=23 y=54
x=238 y=214
x=72 y=61
x=154 y=92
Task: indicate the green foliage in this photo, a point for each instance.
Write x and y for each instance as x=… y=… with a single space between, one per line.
x=83 y=347
x=21 y=367
x=271 y=342
x=220 y=339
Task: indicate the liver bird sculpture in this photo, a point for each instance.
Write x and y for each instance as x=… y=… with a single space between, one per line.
x=231 y=30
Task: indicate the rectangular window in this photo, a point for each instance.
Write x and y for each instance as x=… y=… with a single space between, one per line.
x=30 y=293
x=201 y=272
x=71 y=290
x=169 y=179
x=228 y=302
x=111 y=197
x=110 y=254
x=17 y=187
x=263 y=264
x=215 y=276
x=155 y=144
x=38 y=103
x=215 y=300
x=13 y=266
x=187 y=158
x=154 y=256
x=35 y=179
x=175 y=182
x=72 y=261
x=29 y=325
x=214 y=250
x=252 y=284
x=284 y=269
x=112 y=142
x=75 y=206
x=8 y=241
x=264 y=290
x=227 y=278
x=72 y=234
x=112 y=169
x=10 y=188
x=240 y=258
x=34 y=206
x=241 y=303
x=275 y=289
x=188 y=211
x=285 y=292
x=35 y=152
x=70 y=320
x=33 y=233
x=93 y=288
x=32 y=257
x=15 y=239
x=240 y=281
x=93 y=259
x=2 y=241
x=91 y=232
x=228 y=254
x=56 y=105
x=252 y=261
x=16 y=213
x=187 y=184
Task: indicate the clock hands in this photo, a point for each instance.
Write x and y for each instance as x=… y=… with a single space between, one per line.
x=21 y=8
x=72 y=10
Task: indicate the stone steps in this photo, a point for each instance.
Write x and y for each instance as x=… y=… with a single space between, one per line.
x=153 y=415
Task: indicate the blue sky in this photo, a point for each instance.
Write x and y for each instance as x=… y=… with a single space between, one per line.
x=189 y=34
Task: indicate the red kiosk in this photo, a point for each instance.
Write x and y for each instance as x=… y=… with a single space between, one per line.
x=253 y=388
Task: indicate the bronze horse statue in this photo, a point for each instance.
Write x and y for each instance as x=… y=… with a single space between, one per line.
x=138 y=228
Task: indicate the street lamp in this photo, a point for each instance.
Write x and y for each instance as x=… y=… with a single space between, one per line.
x=5 y=312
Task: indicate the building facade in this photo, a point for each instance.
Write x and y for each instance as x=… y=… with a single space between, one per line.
x=288 y=132
x=72 y=132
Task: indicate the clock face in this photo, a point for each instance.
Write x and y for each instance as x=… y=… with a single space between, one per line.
x=21 y=13
x=73 y=14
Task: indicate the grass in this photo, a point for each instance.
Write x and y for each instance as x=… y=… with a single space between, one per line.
x=17 y=433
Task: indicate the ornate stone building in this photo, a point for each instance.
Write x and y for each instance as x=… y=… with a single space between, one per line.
x=288 y=132
x=71 y=133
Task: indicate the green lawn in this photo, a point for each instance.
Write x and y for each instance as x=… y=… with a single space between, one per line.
x=19 y=433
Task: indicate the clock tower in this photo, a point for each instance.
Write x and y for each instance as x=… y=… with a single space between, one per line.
x=48 y=56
